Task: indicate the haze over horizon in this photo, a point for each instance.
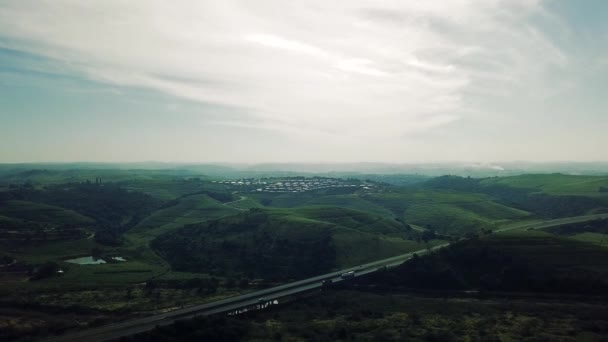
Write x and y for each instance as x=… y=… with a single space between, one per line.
x=269 y=81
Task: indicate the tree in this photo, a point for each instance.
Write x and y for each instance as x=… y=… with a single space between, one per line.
x=46 y=270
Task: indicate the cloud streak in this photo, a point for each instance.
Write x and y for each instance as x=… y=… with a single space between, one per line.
x=348 y=69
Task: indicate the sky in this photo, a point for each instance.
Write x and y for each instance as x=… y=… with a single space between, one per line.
x=303 y=81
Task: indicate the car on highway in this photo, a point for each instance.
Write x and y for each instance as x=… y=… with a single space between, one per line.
x=349 y=274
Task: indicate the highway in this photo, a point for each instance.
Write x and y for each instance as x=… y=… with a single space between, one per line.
x=117 y=330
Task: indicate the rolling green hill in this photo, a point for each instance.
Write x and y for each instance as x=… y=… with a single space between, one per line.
x=459 y=218
x=449 y=212
x=351 y=201
x=283 y=243
x=546 y=196
x=187 y=210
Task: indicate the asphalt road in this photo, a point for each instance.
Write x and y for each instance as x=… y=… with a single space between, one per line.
x=117 y=330
x=131 y=327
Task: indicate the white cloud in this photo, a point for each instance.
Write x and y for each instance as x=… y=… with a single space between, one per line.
x=350 y=69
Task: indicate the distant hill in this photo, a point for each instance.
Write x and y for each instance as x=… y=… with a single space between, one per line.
x=544 y=195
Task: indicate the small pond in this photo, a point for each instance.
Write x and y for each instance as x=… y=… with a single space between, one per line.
x=88 y=260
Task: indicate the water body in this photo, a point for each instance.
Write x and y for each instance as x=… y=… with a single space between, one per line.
x=88 y=260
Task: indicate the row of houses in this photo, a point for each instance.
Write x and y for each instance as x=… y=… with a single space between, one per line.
x=296 y=184
x=303 y=185
x=241 y=182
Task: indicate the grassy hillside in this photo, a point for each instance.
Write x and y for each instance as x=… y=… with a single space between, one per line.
x=187 y=210
x=449 y=212
x=43 y=213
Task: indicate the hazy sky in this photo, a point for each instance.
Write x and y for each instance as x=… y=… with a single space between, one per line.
x=319 y=80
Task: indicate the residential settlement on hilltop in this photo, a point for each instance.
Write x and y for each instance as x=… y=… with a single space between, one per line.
x=295 y=184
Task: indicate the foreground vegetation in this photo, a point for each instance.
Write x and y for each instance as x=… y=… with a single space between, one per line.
x=365 y=316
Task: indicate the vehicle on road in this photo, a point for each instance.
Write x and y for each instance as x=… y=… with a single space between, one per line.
x=349 y=274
